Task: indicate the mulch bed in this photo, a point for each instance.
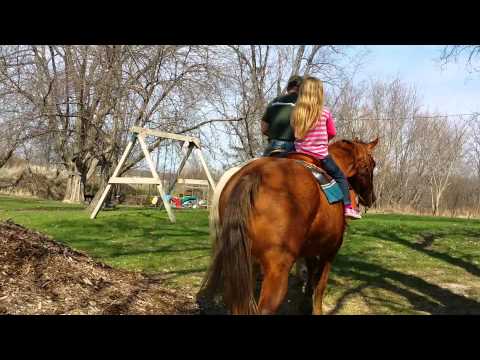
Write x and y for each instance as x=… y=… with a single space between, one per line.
x=41 y=276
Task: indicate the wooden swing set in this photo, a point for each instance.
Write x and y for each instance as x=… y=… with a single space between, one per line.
x=190 y=144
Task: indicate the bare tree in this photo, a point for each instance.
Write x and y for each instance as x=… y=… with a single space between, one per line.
x=16 y=123
x=61 y=83
x=385 y=109
x=447 y=148
x=474 y=158
x=246 y=78
x=454 y=52
x=88 y=96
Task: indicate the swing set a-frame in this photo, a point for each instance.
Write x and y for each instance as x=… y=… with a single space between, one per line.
x=191 y=144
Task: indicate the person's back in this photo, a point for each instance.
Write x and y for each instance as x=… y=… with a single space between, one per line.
x=276 y=120
x=315 y=141
x=278 y=116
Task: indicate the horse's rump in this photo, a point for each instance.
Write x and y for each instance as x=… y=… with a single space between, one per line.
x=214 y=214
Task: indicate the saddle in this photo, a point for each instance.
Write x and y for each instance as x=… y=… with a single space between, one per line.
x=313 y=165
x=306 y=160
x=309 y=160
x=327 y=183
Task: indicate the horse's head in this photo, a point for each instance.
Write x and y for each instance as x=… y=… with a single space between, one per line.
x=356 y=160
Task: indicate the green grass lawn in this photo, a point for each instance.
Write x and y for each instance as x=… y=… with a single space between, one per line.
x=389 y=264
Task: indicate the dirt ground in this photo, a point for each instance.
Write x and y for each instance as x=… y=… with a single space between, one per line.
x=41 y=276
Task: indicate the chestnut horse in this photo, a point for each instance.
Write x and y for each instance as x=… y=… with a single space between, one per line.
x=271 y=212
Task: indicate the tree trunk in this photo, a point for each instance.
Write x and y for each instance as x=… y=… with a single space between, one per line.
x=75 y=192
x=437 y=202
x=432 y=198
x=298 y=60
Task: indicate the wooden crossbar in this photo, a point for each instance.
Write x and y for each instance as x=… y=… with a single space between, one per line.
x=193 y=182
x=134 y=180
x=143 y=131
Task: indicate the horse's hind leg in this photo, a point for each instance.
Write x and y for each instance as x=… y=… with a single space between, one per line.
x=256 y=276
x=320 y=288
x=312 y=264
x=275 y=281
x=300 y=269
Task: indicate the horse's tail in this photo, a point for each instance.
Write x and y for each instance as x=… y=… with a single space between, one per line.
x=232 y=268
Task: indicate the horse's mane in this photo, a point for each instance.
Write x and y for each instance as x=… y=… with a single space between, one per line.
x=356 y=147
x=343 y=144
x=351 y=142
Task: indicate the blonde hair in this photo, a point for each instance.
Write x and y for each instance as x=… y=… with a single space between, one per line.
x=308 y=108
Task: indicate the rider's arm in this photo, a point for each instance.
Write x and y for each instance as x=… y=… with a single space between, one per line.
x=264 y=128
x=264 y=123
x=331 y=130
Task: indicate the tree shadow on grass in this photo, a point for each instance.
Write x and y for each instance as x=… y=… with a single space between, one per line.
x=182 y=272
x=165 y=249
x=422 y=295
x=48 y=208
x=127 y=238
x=181 y=231
x=393 y=237
x=121 y=226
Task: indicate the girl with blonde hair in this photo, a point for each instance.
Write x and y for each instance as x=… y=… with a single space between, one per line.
x=314 y=126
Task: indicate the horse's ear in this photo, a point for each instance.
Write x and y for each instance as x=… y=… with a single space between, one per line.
x=372 y=144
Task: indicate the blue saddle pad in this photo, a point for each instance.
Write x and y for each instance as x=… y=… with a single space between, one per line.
x=332 y=191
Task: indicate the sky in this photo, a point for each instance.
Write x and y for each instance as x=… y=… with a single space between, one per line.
x=449 y=89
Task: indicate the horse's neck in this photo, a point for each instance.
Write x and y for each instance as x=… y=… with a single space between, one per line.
x=343 y=158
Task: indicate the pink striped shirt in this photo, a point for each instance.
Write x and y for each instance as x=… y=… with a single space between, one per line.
x=315 y=142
